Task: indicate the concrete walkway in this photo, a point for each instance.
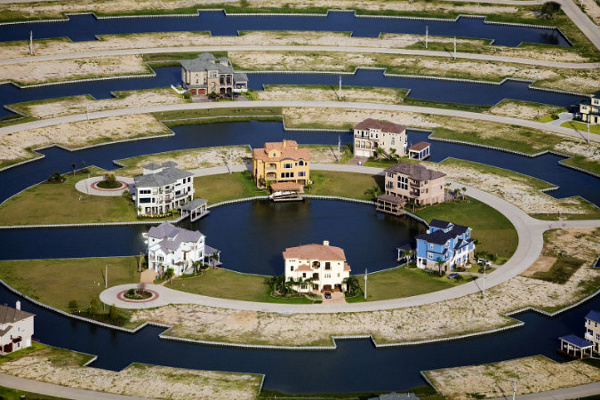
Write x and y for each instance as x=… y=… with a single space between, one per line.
x=530 y=232
x=313 y=104
x=89 y=186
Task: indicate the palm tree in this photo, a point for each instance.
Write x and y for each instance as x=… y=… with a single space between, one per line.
x=352 y=285
x=439 y=263
x=464 y=190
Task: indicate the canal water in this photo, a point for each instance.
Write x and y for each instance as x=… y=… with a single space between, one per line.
x=86 y=27
x=420 y=88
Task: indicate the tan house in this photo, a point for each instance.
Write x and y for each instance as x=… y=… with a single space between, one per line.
x=207 y=74
x=590 y=110
x=16 y=328
x=372 y=134
x=316 y=267
x=280 y=162
x=592 y=329
x=405 y=181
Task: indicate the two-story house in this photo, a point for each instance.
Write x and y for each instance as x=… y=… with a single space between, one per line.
x=316 y=267
x=281 y=162
x=162 y=188
x=589 y=110
x=450 y=244
x=207 y=74
x=592 y=329
x=405 y=181
x=177 y=248
x=16 y=328
x=372 y=134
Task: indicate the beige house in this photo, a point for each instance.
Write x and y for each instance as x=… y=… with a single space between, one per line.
x=592 y=329
x=590 y=110
x=405 y=181
x=372 y=134
x=207 y=74
x=316 y=267
x=280 y=162
x=16 y=328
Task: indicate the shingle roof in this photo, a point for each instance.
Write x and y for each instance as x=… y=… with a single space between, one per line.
x=167 y=176
x=593 y=316
x=10 y=315
x=384 y=126
x=441 y=237
x=415 y=171
x=438 y=223
x=392 y=199
x=204 y=62
x=577 y=341
x=419 y=146
x=191 y=205
x=315 y=252
x=240 y=77
x=172 y=236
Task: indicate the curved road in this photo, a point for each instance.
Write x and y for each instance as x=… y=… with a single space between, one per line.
x=314 y=104
x=530 y=245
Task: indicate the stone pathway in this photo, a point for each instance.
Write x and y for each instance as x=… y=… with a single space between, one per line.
x=90 y=186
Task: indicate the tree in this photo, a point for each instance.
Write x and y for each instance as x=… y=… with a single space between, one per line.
x=113 y=313
x=464 y=190
x=168 y=275
x=549 y=9
x=374 y=191
x=94 y=306
x=439 y=263
x=73 y=306
x=352 y=285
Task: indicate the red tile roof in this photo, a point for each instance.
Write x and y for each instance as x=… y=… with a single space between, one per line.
x=288 y=148
x=315 y=252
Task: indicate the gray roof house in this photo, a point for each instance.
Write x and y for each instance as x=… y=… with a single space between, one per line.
x=206 y=74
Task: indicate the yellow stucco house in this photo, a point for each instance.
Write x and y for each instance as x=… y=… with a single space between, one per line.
x=281 y=162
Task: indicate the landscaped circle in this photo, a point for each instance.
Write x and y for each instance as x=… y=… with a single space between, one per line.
x=123 y=295
x=100 y=185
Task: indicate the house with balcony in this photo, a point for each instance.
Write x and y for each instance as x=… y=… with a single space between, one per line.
x=589 y=110
x=16 y=328
x=371 y=135
x=177 y=248
x=207 y=74
x=592 y=329
x=444 y=241
x=410 y=183
x=316 y=267
x=281 y=162
x=162 y=188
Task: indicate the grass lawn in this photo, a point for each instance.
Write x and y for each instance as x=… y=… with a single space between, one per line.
x=182 y=117
x=581 y=126
x=61 y=203
x=352 y=185
x=217 y=188
x=561 y=270
x=56 y=282
x=403 y=282
x=14 y=394
x=494 y=232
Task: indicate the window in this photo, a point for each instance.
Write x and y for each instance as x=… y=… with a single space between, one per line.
x=145 y=191
x=327 y=265
x=304 y=274
x=287 y=174
x=287 y=165
x=301 y=163
x=274 y=154
x=393 y=141
x=431 y=245
x=302 y=173
x=292 y=268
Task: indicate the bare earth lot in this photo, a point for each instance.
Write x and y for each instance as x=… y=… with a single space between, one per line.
x=534 y=374
x=448 y=318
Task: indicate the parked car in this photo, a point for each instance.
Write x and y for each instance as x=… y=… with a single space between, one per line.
x=485 y=261
x=453 y=275
x=327 y=295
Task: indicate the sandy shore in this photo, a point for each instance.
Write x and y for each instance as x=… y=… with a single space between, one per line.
x=67 y=70
x=531 y=375
x=14 y=147
x=524 y=110
x=447 y=318
x=137 y=380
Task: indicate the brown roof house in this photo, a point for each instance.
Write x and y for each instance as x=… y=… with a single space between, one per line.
x=16 y=328
x=405 y=181
x=281 y=162
x=316 y=267
x=371 y=135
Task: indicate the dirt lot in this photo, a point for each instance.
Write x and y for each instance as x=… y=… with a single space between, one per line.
x=13 y=147
x=523 y=110
x=367 y=95
x=66 y=70
x=138 y=380
x=531 y=375
x=447 y=318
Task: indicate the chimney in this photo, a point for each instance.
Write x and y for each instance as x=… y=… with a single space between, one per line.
x=325 y=242
x=18 y=305
x=284 y=143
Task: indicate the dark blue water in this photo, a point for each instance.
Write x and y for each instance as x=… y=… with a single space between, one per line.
x=369 y=238
x=422 y=89
x=86 y=27
x=254 y=133
x=355 y=366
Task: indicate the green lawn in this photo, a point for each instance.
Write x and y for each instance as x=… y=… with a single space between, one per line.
x=56 y=282
x=62 y=203
x=581 y=126
x=217 y=188
x=352 y=185
x=494 y=232
x=182 y=117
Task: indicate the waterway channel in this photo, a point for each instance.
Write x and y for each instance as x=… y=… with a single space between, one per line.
x=86 y=27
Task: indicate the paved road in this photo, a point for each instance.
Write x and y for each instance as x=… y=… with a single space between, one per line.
x=530 y=245
x=313 y=104
x=343 y=49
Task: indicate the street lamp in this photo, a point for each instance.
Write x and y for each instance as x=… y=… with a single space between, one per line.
x=365 y=283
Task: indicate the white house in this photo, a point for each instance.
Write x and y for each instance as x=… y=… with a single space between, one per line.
x=372 y=134
x=162 y=188
x=319 y=267
x=16 y=328
x=177 y=248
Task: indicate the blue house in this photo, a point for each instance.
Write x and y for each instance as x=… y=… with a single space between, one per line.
x=452 y=244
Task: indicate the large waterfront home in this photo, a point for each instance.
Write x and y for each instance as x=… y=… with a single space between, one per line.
x=206 y=74
x=589 y=110
x=405 y=182
x=162 y=188
x=280 y=162
x=372 y=134
x=444 y=243
x=316 y=267
x=16 y=328
x=592 y=329
x=177 y=248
